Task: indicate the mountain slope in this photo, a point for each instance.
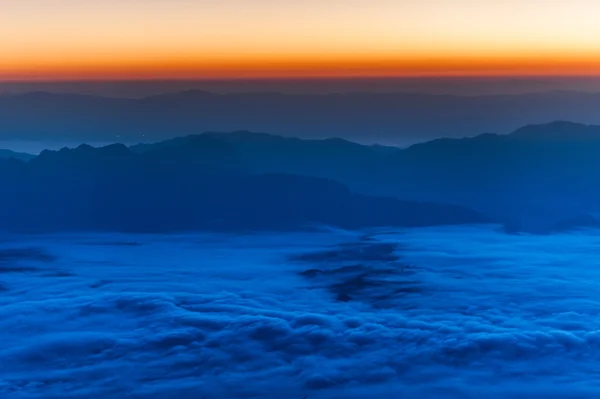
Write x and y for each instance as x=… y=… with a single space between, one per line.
x=163 y=189
x=536 y=174
x=335 y=159
x=530 y=179
x=6 y=154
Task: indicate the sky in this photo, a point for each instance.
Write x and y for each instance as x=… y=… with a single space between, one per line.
x=223 y=39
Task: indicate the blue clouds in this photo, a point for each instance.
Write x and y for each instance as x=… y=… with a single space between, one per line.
x=231 y=316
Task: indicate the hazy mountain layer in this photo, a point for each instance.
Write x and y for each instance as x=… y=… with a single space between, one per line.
x=396 y=118
x=7 y=154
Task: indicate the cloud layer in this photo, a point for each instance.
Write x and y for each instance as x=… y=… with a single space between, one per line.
x=209 y=316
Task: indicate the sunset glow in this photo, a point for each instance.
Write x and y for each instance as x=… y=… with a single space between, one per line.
x=131 y=39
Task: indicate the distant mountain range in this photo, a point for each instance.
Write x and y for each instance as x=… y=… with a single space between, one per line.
x=540 y=178
x=431 y=85
x=397 y=118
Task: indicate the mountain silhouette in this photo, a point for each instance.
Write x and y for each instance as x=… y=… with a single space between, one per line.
x=201 y=184
x=534 y=179
x=335 y=159
x=536 y=175
x=584 y=221
x=531 y=178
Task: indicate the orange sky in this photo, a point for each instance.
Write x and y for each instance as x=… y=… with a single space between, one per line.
x=112 y=39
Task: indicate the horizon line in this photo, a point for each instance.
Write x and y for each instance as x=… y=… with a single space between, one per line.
x=340 y=77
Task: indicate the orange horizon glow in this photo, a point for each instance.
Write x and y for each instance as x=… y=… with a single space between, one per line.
x=290 y=69
x=256 y=39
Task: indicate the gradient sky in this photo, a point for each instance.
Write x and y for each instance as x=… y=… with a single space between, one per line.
x=108 y=39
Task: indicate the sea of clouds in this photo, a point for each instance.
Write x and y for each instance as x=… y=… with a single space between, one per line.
x=449 y=312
